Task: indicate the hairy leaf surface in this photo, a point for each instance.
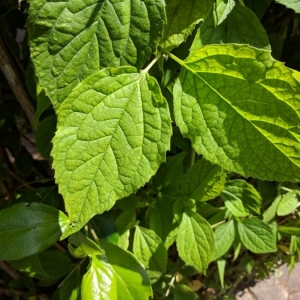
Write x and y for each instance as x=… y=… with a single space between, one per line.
x=71 y=40
x=113 y=132
x=240 y=108
x=182 y=16
x=229 y=22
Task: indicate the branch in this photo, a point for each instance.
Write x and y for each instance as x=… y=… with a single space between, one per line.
x=15 y=81
x=10 y=270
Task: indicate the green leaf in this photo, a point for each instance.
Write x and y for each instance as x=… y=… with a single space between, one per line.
x=182 y=291
x=113 y=132
x=258 y=7
x=149 y=249
x=26 y=229
x=224 y=238
x=168 y=177
x=30 y=265
x=289 y=230
x=288 y=203
x=56 y=264
x=163 y=222
x=229 y=22
x=81 y=246
x=240 y=109
x=195 y=241
x=116 y=276
x=44 y=135
x=221 y=270
x=70 y=288
x=241 y=198
x=182 y=16
x=270 y=213
x=257 y=236
x=71 y=40
x=292 y=4
x=203 y=181
x=105 y=228
x=125 y=221
x=43 y=102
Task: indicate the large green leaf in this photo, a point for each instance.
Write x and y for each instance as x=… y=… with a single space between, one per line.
x=71 y=40
x=257 y=236
x=116 y=276
x=182 y=16
x=113 y=132
x=240 y=108
x=203 y=181
x=293 y=4
x=224 y=238
x=150 y=249
x=229 y=22
x=241 y=198
x=195 y=241
x=29 y=228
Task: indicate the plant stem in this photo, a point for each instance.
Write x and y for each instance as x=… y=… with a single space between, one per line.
x=217 y=224
x=285 y=189
x=146 y=70
x=173 y=57
x=170 y=286
x=192 y=159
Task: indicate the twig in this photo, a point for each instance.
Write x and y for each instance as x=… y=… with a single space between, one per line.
x=10 y=270
x=14 y=79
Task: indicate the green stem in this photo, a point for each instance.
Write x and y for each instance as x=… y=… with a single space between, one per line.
x=146 y=70
x=173 y=56
x=217 y=224
x=192 y=159
x=285 y=189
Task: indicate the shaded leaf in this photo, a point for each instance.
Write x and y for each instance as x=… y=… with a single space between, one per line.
x=182 y=16
x=240 y=109
x=220 y=27
x=26 y=229
x=149 y=249
x=241 y=198
x=203 y=181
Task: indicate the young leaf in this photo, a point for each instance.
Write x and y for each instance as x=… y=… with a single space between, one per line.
x=72 y=40
x=241 y=198
x=163 y=222
x=203 y=181
x=220 y=27
x=182 y=16
x=292 y=4
x=221 y=270
x=26 y=229
x=240 y=109
x=113 y=132
x=270 y=213
x=149 y=249
x=257 y=236
x=288 y=203
x=116 y=276
x=195 y=241
x=224 y=238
